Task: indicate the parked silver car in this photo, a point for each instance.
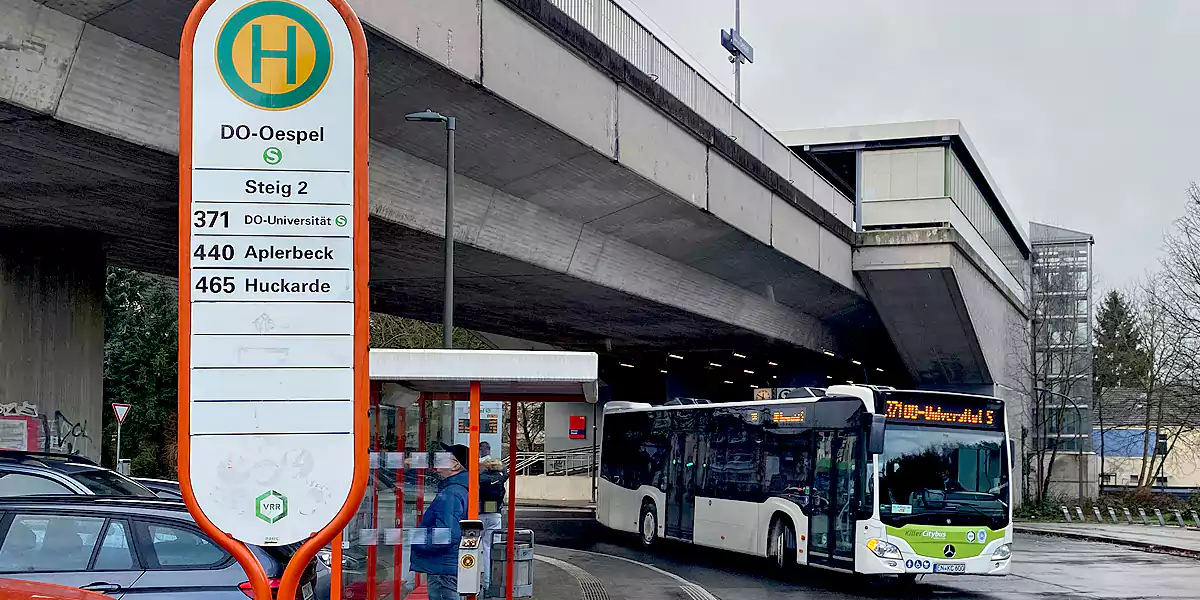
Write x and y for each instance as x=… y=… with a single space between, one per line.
x=45 y=473
x=148 y=549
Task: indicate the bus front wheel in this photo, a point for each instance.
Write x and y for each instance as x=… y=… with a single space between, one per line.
x=782 y=544
x=648 y=528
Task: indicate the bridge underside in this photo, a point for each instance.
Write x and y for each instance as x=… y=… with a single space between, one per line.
x=57 y=175
x=952 y=326
x=557 y=241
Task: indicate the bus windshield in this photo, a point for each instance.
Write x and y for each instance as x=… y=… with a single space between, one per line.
x=947 y=476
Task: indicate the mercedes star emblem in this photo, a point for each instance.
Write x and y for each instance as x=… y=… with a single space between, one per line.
x=948 y=551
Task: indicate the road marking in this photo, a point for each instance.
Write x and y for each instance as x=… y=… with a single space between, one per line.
x=694 y=590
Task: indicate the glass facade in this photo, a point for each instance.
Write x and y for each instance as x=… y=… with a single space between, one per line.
x=1061 y=331
x=967 y=197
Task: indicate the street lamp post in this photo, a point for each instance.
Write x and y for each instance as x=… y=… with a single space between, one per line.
x=1082 y=468
x=428 y=116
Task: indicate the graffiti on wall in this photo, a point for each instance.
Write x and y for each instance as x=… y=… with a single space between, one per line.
x=60 y=434
x=24 y=409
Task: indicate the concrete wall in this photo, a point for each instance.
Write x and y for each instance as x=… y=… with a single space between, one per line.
x=904 y=173
x=941 y=209
x=1064 y=475
x=52 y=335
x=546 y=487
x=558 y=419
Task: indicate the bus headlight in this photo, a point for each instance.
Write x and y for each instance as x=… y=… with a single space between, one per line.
x=1004 y=552
x=884 y=549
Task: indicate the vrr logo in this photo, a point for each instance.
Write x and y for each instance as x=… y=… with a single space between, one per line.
x=271 y=506
x=273 y=54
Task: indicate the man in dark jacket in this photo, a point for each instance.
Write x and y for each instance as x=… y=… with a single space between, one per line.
x=437 y=557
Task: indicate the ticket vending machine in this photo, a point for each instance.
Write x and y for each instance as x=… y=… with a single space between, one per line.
x=470 y=549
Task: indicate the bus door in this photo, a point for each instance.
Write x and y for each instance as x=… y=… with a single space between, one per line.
x=831 y=526
x=683 y=473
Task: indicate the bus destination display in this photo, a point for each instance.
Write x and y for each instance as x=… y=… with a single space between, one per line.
x=792 y=417
x=942 y=413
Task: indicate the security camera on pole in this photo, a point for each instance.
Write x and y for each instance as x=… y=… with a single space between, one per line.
x=740 y=50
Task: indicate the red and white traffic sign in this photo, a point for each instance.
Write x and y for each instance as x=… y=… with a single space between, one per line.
x=121 y=411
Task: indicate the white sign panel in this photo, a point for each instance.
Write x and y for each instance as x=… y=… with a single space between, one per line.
x=272 y=170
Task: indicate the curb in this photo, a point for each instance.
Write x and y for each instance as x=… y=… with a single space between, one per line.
x=1143 y=546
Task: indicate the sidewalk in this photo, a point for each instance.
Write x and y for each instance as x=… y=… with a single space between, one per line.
x=1152 y=538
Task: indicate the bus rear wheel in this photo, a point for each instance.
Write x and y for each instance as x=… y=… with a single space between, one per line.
x=648 y=525
x=782 y=544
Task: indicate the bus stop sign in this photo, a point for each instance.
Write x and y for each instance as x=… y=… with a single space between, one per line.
x=273 y=256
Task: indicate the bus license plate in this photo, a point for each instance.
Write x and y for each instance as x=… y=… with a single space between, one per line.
x=955 y=568
x=307 y=591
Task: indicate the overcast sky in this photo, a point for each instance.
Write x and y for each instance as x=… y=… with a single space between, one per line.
x=1086 y=113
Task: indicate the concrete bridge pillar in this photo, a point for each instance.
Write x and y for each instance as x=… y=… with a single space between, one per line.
x=52 y=338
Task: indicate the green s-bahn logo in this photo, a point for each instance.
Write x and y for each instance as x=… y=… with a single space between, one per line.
x=273 y=54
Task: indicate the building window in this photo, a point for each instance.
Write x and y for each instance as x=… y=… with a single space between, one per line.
x=1134 y=479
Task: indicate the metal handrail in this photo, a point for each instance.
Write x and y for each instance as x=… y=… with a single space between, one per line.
x=561 y=462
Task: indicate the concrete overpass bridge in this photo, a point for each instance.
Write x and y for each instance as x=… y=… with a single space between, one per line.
x=608 y=194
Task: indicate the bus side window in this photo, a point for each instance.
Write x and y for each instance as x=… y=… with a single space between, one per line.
x=788 y=460
x=655 y=447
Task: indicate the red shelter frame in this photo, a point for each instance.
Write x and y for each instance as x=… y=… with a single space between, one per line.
x=473 y=376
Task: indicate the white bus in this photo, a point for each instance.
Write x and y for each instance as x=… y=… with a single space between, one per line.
x=862 y=479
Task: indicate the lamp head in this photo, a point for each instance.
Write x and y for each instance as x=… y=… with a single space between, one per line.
x=426 y=116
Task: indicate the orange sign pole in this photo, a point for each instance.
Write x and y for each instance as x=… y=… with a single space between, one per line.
x=304 y=555
x=473 y=486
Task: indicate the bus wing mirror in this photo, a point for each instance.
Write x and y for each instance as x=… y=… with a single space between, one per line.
x=875 y=434
x=1012 y=454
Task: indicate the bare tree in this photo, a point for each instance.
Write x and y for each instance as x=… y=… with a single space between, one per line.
x=389 y=331
x=1181 y=264
x=1169 y=360
x=531 y=418
x=1169 y=316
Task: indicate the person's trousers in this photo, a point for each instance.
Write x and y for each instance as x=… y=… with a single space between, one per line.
x=443 y=587
x=491 y=522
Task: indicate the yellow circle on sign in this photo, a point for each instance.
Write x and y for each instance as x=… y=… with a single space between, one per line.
x=468 y=561
x=274 y=54
x=283 y=71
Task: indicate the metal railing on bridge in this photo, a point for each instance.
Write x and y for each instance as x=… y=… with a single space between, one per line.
x=609 y=22
x=563 y=462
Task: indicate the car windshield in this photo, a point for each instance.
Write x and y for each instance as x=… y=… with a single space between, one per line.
x=943 y=475
x=108 y=483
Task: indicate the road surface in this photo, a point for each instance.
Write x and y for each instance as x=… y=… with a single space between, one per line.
x=1044 y=568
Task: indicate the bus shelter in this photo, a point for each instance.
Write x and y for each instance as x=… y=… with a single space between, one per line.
x=421 y=399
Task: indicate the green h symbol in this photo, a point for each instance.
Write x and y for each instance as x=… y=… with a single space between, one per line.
x=257 y=54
